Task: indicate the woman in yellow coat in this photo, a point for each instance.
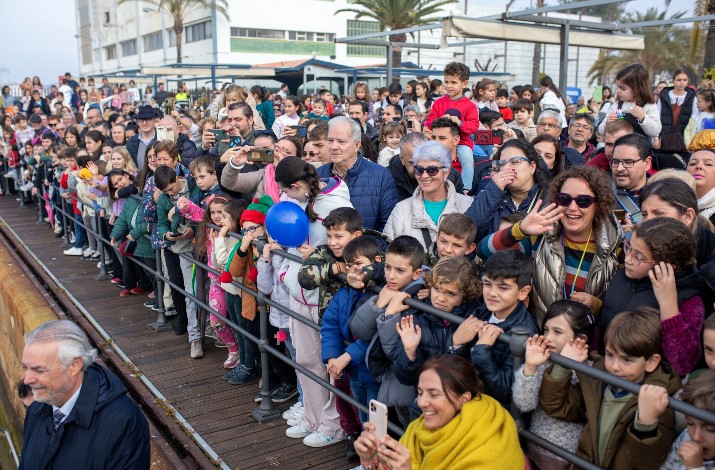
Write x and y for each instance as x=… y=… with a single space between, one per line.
x=460 y=428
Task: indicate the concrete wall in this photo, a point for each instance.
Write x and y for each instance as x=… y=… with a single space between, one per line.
x=22 y=309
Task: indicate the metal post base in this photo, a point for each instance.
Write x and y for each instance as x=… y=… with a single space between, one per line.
x=102 y=276
x=262 y=415
x=161 y=324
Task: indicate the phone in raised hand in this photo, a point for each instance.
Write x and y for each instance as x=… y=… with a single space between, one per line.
x=378 y=418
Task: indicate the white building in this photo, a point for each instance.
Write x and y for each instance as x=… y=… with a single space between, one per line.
x=114 y=38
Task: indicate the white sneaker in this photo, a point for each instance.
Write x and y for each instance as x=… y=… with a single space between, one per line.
x=73 y=252
x=10 y=174
x=290 y=412
x=197 y=349
x=318 y=439
x=297 y=432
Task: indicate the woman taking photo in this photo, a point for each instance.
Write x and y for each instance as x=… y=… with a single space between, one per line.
x=263 y=180
x=575 y=241
x=456 y=415
x=418 y=216
x=517 y=182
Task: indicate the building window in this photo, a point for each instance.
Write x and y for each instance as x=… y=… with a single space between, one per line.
x=111 y=52
x=152 y=41
x=172 y=37
x=310 y=36
x=356 y=27
x=129 y=47
x=258 y=33
x=198 y=32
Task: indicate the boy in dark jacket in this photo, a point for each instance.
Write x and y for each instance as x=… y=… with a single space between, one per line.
x=505 y=285
x=622 y=430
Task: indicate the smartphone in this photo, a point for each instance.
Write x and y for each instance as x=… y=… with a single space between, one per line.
x=396 y=119
x=378 y=418
x=495 y=137
x=709 y=76
x=162 y=133
x=261 y=155
x=300 y=131
x=598 y=93
x=620 y=214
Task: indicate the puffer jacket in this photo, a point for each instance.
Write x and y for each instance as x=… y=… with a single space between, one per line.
x=372 y=191
x=489 y=206
x=270 y=284
x=436 y=339
x=335 y=332
x=627 y=448
x=550 y=266
x=221 y=253
x=335 y=194
x=149 y=206
x=406 y=185
x=409 y=217
x=131 y=221
x=495 y=363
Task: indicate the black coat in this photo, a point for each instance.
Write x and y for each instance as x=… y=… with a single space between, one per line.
x=671 y=135
x=104 y=430
x=406 y=185
x=495 y=363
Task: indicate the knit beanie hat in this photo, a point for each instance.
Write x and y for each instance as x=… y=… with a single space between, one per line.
x=256 y=211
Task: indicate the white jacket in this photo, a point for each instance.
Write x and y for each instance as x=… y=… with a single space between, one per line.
x=335 y=194
x=409 y=217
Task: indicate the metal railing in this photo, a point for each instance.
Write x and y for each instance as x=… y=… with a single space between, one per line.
x=267 y=411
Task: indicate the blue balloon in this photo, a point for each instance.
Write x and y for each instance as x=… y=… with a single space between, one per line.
x=288 y=224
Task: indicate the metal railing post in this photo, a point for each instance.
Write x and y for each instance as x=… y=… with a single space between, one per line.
x=517 y=345
x=66 y=226
x=102 y=275
x=265 y=411
x=161 y=323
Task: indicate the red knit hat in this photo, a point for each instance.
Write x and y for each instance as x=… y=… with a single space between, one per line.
x=256 y=211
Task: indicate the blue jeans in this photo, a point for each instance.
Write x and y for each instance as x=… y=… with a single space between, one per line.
x=80 y=235
x=363 y=393
x=247 y=350
x=466 y=158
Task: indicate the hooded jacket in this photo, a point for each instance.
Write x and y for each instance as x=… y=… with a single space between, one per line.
x=104 y=430
x=409 y=217
x=626 y=449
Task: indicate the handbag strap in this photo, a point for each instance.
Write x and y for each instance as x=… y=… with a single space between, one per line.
x=427 y=237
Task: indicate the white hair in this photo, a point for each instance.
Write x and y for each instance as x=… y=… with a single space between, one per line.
x=432 y=151
x=344 y=120
x=72 y=341
x=548 y=113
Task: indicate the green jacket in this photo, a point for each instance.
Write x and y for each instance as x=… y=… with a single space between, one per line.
x=177 y=223
x=123 y=226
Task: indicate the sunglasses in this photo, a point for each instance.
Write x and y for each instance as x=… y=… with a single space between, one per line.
x=310 y=154
x=431 y=170
x=583 y=201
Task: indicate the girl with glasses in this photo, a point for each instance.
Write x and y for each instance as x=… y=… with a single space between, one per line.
x=517 y=182
x=575 y=240
x=660 y=272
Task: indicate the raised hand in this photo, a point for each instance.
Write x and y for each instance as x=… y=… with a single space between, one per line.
x=537 y=353
x=383 y=299
x=662 y=276
x=576 y=350
x=182 y=203
x=652 y=403
x=397 y=304
x=410 y=334
x=541 y=220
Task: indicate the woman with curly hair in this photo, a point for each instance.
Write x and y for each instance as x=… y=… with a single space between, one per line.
x=575 y=240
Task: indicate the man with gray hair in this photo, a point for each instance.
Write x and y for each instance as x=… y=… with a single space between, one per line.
x=403 y=171
x=550 y=122
x=372 y=189
x=82 y=417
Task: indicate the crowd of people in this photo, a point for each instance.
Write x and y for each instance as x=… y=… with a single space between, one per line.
x=588 y=224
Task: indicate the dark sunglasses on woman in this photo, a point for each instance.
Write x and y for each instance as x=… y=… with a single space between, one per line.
x=583 y=201
x=431 y=170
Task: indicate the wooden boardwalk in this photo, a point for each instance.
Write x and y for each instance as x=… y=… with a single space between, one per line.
x=219 y=412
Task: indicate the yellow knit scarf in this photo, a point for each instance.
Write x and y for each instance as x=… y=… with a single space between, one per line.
x=482 y=436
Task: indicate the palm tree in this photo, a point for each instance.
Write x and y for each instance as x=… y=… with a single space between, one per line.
x=398 y=14
x=709 y=61
x=181 y=9
x=666 y=47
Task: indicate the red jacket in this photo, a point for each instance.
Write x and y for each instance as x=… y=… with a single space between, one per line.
x=468 y=114
x=64 y=184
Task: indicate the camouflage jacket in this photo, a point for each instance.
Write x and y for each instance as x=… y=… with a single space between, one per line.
x=432 y=257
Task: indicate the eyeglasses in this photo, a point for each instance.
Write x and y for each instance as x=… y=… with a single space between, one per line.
x=431 y=170
x=151 y=156
x=312 y=154
x=638 y=258
x=547 y=125
x=52 y=125
x=583 y=201
x=625 y=163
x=513 y=162
x=251 y=229
x=581 y=127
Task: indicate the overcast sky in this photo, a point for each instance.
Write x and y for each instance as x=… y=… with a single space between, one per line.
x=54 y=52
